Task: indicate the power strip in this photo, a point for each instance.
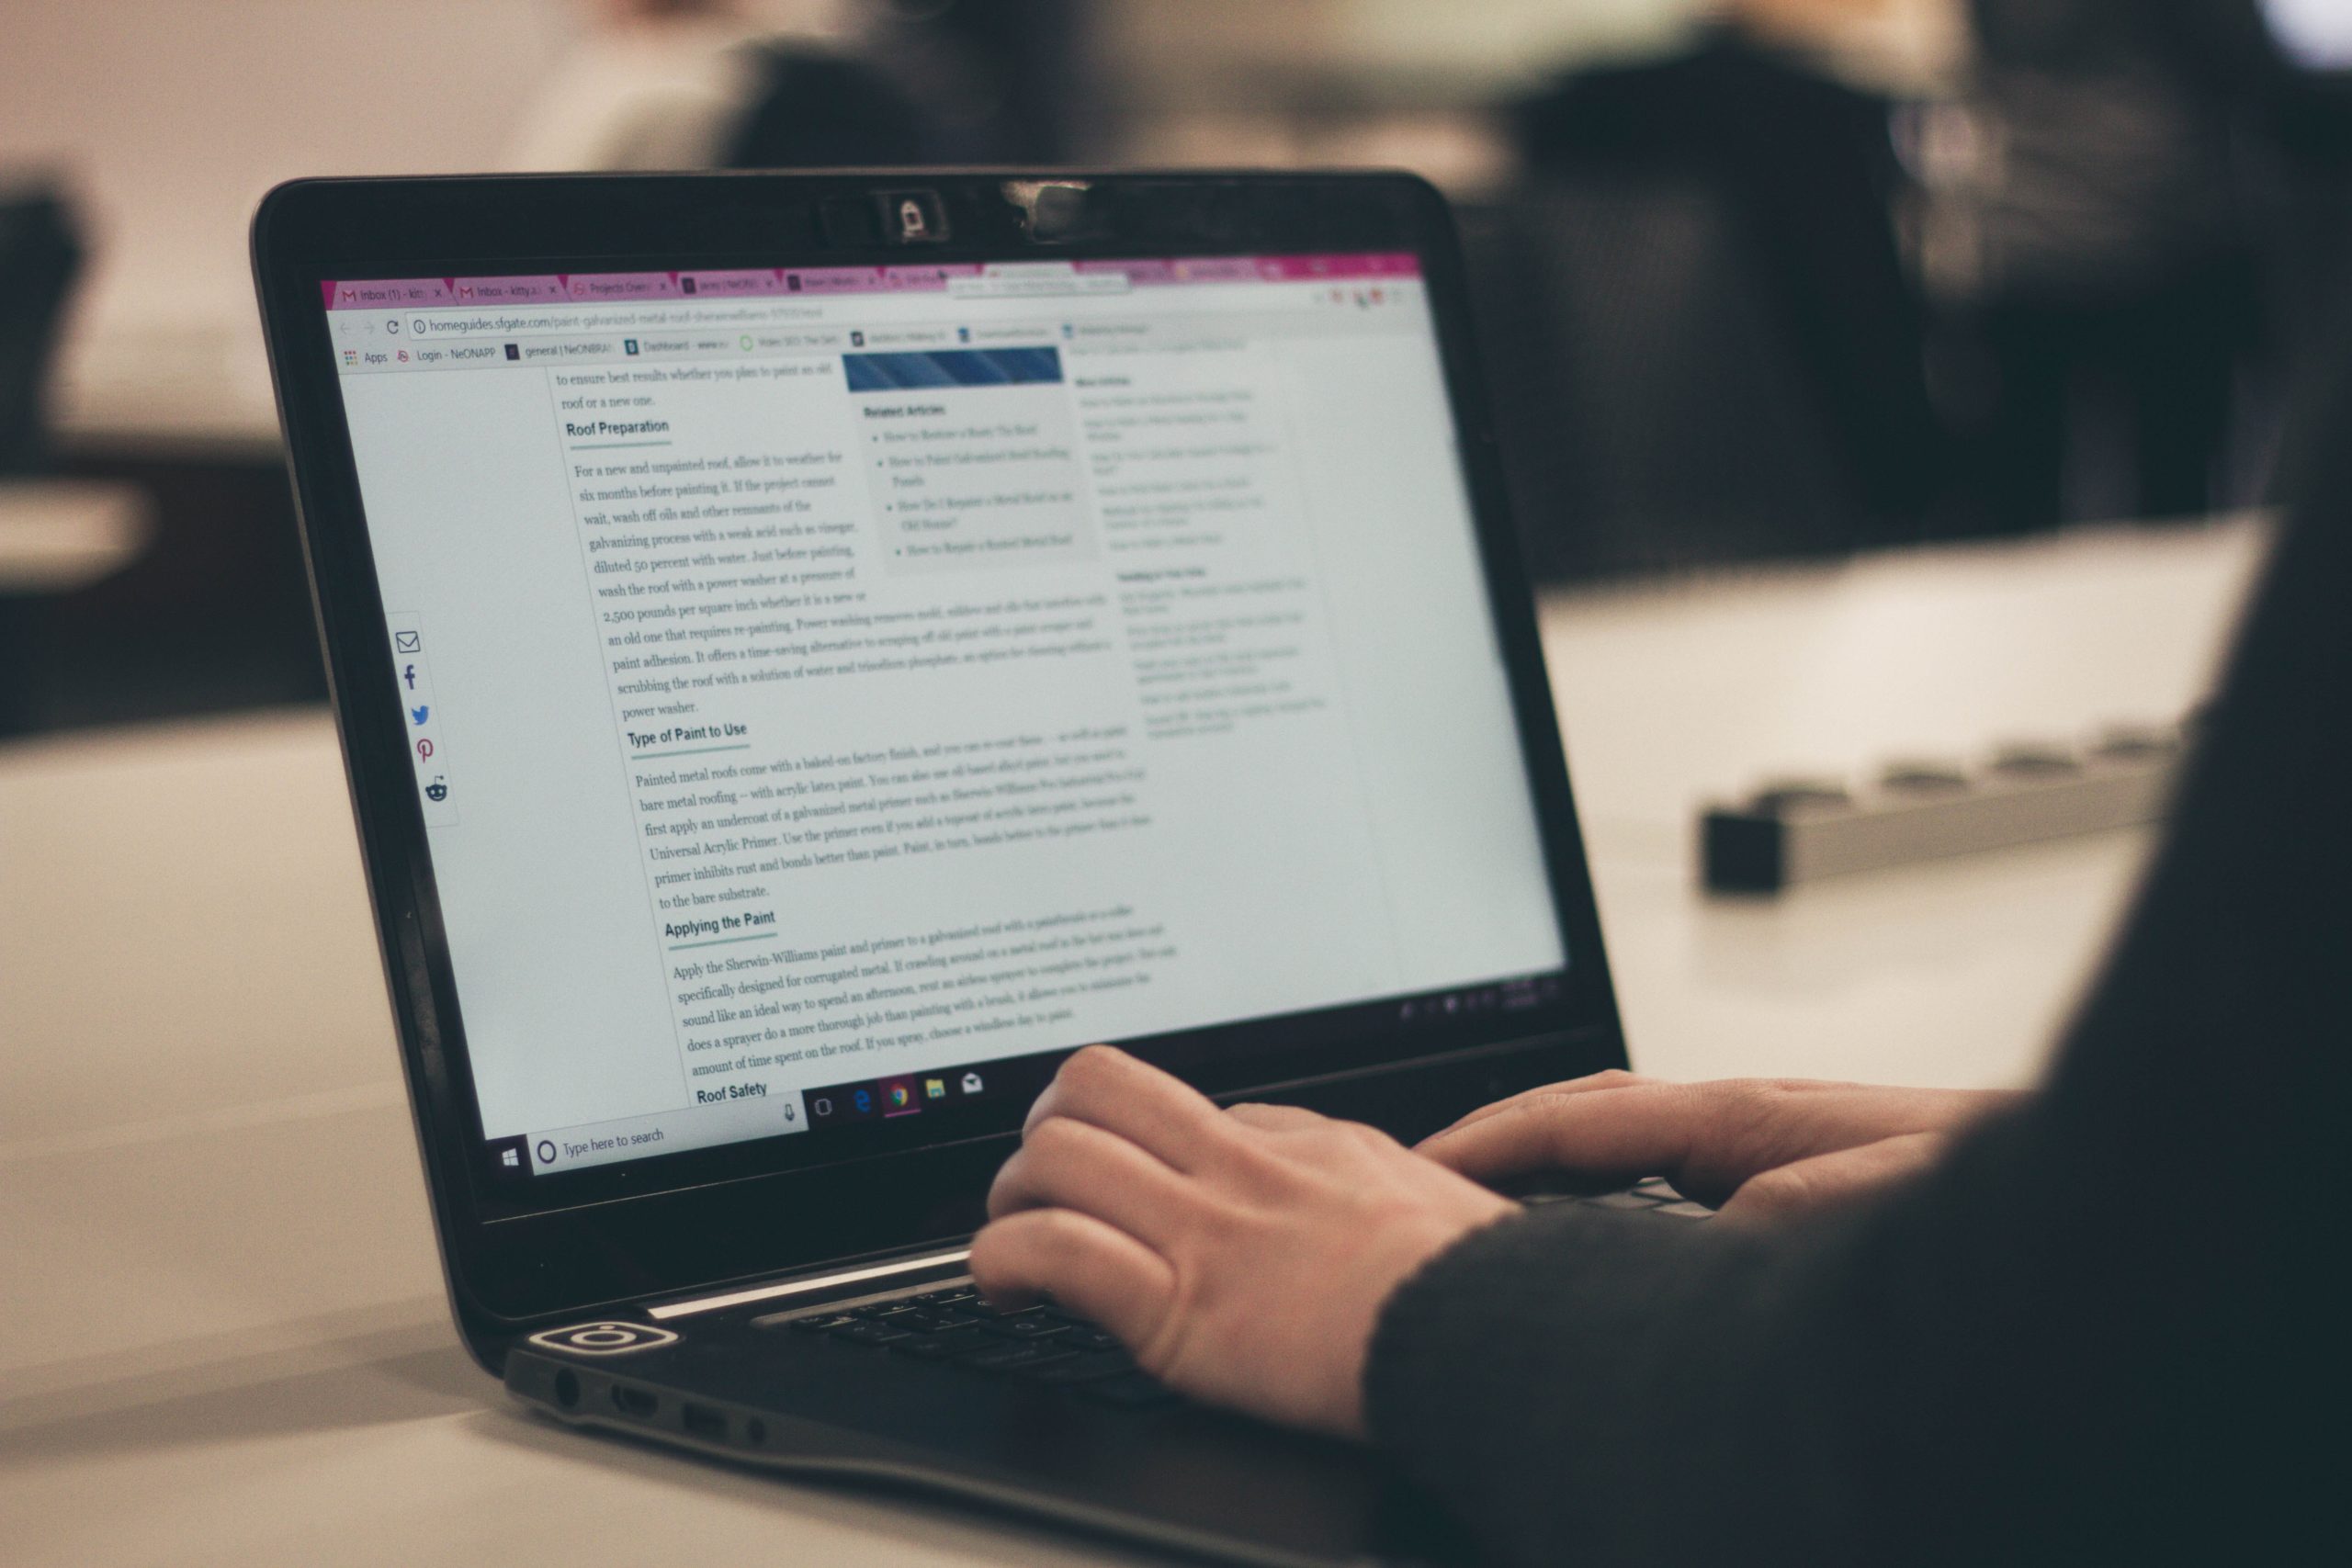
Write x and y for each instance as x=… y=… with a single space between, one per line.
x=1795 y=831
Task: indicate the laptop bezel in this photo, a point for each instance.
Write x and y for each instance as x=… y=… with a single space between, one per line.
x=508 y=1271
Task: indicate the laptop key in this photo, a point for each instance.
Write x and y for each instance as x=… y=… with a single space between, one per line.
x=915 y=1320
x=980 y=1307
x=1008 y=1355
x=947 y=1297
x=1025 y=1327
x=823 y=1322
x=958 y=1315
x=945 y=1344
x=866 y=1332
x=1089 y=1338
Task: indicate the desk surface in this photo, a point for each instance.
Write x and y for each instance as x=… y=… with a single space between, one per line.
x=225 y=1335
x=60 y=535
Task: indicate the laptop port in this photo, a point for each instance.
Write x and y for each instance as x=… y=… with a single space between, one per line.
x=635 y=1402
x=701 y=1423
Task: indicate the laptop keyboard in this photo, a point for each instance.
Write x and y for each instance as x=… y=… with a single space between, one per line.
x=954 y=1326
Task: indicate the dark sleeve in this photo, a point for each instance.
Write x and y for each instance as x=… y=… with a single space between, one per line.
x=2105 y=1329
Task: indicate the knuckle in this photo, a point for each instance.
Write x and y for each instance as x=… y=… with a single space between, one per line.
x=1750 y=1101
x=1053 y=1139
x=1090 y=1069
x=1214 y=1224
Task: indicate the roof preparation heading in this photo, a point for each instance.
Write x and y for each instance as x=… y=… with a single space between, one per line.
x=620 y=287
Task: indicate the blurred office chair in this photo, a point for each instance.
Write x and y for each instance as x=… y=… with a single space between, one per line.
x=40 y=255
x=811 y=107
x=942 y=82
x=1702 y=341
x=2114 y=282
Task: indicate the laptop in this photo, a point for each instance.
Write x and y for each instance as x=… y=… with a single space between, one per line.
x=812 y=651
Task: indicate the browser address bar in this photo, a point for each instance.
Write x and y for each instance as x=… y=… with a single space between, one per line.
x=1036 y=288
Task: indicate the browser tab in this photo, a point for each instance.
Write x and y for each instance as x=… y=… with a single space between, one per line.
x=506 y=290
x=730 y=284
x=387 y=294
x=622 y=286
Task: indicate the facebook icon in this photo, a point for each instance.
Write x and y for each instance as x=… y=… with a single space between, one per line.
x=408 y=673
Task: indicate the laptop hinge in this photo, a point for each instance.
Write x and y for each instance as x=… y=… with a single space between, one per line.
x=807 y=1284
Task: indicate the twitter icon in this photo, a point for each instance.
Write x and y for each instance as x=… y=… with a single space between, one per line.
x=419 y=714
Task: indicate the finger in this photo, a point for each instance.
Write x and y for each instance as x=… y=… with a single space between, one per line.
x=1155 y=1111
x=1614 y=1077
x=1636 y=1130
x=1094 y=1268
x=1275 y=1118
x=1072 y=1165
x=1829 y=1180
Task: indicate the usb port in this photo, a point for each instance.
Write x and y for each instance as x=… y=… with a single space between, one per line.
x=635 y=1402
x=701 y=1423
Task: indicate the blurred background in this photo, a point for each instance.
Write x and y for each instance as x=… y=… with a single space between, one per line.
x=1759 y=281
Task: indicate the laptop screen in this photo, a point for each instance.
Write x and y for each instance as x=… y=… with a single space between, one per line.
x=832 y=689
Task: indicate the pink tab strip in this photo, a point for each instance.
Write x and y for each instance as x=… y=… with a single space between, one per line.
x=1134 y=272
x=597 y=286
x=1216 y=269
x=1367 y=263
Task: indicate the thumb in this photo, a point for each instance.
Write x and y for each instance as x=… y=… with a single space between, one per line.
x=1829 y=1180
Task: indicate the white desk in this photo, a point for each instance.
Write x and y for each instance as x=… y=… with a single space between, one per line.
x=224 y=1339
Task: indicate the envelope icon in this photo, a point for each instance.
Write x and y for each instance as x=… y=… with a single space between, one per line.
x=406 y=642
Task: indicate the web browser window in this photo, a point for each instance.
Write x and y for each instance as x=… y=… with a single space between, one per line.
x=824 y=683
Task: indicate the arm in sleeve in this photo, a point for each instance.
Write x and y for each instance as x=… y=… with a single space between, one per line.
x=2095 y=1328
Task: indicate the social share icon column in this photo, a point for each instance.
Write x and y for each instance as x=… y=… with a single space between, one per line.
x=421 y=722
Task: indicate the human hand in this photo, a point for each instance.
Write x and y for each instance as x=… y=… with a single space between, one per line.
x=1242 y=1256
x=1750 y=1146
